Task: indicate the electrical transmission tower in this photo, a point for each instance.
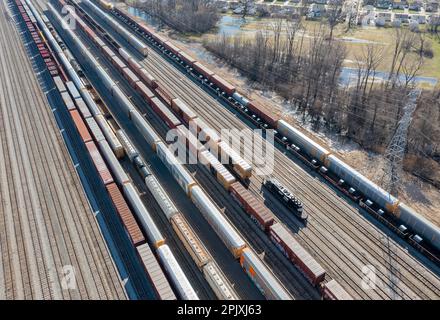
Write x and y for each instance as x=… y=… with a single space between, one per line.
x=396 y=148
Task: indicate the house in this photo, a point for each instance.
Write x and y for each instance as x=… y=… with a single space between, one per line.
x=431 y=6
x=383 y=4
x=402 y=17
x=419 y=18
x=399 y=4
x=415 y=5
x=382 y=19
x=386 y=16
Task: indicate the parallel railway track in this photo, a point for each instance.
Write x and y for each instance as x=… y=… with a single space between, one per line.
x=45 y=221
x=359 y=249
x=293 y=277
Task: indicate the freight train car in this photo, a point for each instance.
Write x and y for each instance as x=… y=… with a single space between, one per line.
x=297 y=254
x=155 y=273
x=262 y=277
x=134 y=41
x=222 y=227
x=255 y=208
x=178 y=278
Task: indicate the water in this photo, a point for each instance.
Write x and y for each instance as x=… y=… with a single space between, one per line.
x=231 y=25
x=349 y=76
x=144 y=16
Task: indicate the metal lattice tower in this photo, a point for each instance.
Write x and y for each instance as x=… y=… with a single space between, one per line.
x=396 y=148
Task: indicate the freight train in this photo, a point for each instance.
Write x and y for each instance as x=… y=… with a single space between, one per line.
x=212 y=273
x=367 y=194
x=263 y=278
x=251 y=205
x=103 y=157
x=149 y=88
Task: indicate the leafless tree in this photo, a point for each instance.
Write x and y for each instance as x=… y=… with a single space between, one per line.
x=334 y=14
x=246 y=5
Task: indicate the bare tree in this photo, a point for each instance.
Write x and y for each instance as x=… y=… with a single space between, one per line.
x=334 y=15
x=246 y=5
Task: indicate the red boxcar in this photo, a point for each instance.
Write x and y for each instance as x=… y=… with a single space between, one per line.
x=186 y=58
x=134 y=64
x=82 y=129
x=171 y=47
x=200 y=68
x=146 y=93
x=148 y=78
x=165 y=95
x=99 y=163
x=130 y=224
x=118 y=63
x=164 y=113
x=254 y=207
x=222 y=84
x=107 y=52
x=297 y=254
x=263 y=113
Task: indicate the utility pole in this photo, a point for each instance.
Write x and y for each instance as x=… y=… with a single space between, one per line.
x=396 y=148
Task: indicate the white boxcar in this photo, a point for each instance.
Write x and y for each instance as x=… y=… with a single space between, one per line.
x=218 y=282
x=182 y=176
x=218 y=222
x=145 y=129
x=175 y=272
x=265 y=281
x=424 y=228
x=162 y=198
x=59 y=84
x=116 y=168
x=306 y=144
x=122 y=100
x=137 y=44
x=72 y=90
x=95 y=129
x=143 y=216
x=362 y=184
x=110 y=136
x=127 y=145
x=105 y=78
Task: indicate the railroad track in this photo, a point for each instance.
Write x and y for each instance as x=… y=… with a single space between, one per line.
x=38 y=183
x=360 y=249
x=214 y=121
x=292 y=281
x=186 y=262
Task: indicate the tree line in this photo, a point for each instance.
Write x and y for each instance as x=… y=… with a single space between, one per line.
x=195 y=16
x=305 y=69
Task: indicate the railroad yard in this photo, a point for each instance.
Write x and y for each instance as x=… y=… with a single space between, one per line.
x=88 y=181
